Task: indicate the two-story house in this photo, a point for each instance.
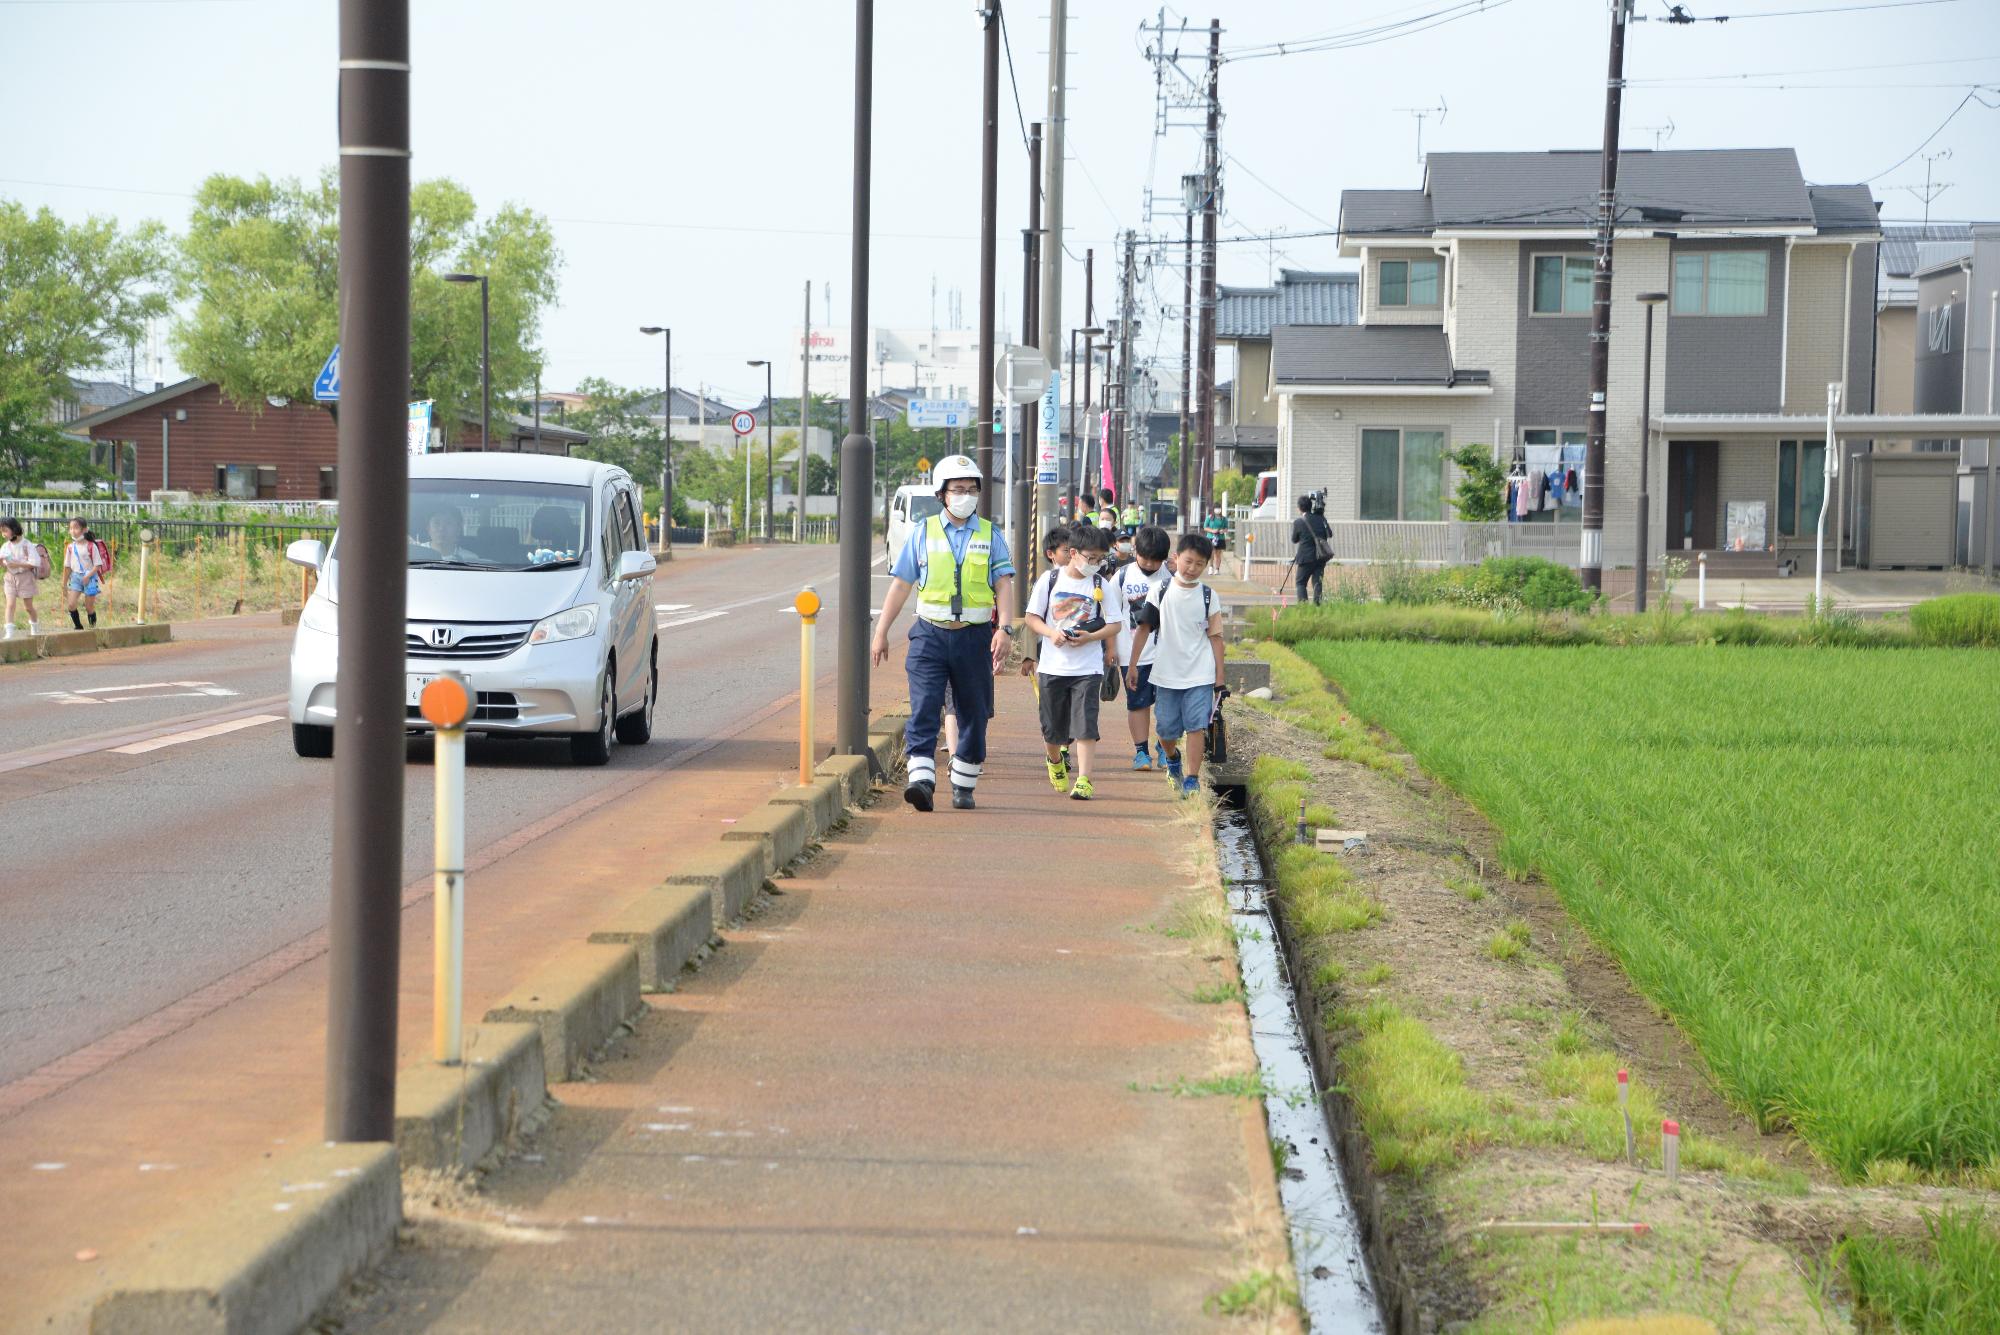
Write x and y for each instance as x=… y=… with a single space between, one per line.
x=1246 y=423
x=1474 y=328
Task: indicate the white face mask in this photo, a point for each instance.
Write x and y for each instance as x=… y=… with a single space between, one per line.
x=961 y=507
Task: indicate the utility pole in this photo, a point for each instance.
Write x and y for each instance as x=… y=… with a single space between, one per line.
x=1127 y=492
x=1205 y=399
x=1591 y=559
x=1048 y=305
x=1089 y=357
x=1076 y=473
x=857 y=451
x=805 y=417
x=1186 y=446
x=1019 y=541
x=366 y=916
x=989 y=188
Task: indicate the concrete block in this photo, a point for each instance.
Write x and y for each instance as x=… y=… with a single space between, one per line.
x=821 y=800
x=885 y=739
x=668 y=926
x=21 y=649
x=118 y=637
x=155 y=632
x=852 y=771
x=62 y=643
x=269 y=1255
x=1245 y=674
x=577 y=1000
x=289 y=616
x=732 y=873
x=454 y=1116
x=782 y=830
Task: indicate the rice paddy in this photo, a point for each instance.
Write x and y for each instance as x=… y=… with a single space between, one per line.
x=1794 y=854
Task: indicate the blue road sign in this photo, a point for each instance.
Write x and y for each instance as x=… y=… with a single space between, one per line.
x=326 y=389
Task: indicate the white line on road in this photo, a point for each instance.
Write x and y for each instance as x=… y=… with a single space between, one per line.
x=672 y=607
x=689 y=621
x=194 y=734
x=99 y=695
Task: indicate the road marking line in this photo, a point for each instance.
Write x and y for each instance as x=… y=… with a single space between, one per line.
x=194 y=734
x=689 y=621
x=672 y=607
x=99 y=695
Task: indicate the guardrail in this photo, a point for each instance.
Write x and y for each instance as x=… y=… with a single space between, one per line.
x=1447 y=542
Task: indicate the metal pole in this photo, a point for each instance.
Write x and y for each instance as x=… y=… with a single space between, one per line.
x=1128 y=492
x=366 y=914
x=805 y=417
x=857 y=451
x=1645 y=464
x=1591 y=559
x=1828 y=462
x=667 y=444
x=989 y=185
x=538 y=407
x=1048 y=303
x=770 y=469
x=1089 y=356
x=1027 y=487
x=1992 y=463
x=1076 y=472
x=485 y=369
x=448 y=898
x=1205 y=400
x=1187 y=360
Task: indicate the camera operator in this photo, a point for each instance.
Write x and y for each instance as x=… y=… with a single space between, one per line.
x=1312 y=546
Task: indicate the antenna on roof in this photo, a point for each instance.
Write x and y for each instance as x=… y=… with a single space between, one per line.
x=1660 y=133
x=1929 y=190
x=1423 y=114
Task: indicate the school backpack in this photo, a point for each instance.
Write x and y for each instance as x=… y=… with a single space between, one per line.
x=103 y=556
x=42 y=564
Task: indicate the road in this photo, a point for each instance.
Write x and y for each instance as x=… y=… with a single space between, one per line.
x=161 y=834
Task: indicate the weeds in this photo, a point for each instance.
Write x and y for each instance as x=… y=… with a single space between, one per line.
x=1214 y=994
x=1509 y=941
x=1260 y=1293
x=1948 y=1284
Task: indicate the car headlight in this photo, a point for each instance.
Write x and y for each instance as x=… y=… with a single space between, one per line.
x=574 y=624
x=321 y=615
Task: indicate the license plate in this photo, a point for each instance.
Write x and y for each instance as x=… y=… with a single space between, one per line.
x=416 y=686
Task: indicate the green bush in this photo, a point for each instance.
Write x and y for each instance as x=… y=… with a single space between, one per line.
x=1958 y=620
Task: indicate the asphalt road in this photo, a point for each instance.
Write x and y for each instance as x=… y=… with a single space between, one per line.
x=159 y=833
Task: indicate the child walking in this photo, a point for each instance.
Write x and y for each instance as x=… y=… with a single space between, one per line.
x=1077 y=615
x=1185 y=617
x=21 y=561
x=1136 y=582
x=80 y=567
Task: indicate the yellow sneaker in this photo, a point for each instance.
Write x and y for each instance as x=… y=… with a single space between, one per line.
x=1059 y=773
x=1081 y=792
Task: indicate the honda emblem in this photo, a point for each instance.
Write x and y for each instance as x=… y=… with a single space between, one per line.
x=441 y=637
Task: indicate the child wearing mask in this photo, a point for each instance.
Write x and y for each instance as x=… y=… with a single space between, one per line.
x=1078 y=614
x=1185 y=617
x=1137 y=583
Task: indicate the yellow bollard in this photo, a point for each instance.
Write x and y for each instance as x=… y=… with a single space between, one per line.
x=807 y=606
x=445 y=705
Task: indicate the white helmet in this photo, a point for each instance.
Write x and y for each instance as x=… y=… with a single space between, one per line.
x=954 y=468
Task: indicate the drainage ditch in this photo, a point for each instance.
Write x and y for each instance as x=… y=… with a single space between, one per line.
x=1328 y=1244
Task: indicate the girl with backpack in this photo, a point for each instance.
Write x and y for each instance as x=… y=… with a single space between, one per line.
x=81 y=565
x=26 y=564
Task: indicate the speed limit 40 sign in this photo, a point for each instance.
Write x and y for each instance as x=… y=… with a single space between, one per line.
x=743 y=423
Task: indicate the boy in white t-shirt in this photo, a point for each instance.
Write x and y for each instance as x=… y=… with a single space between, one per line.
x=1076 y=611
x=1136 y=582
x=1185 y=617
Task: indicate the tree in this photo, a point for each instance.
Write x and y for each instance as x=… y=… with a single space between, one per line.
x=261 y=263
x=31 y=451
x=1481 y=496
x=72 y=295
x=621 y=431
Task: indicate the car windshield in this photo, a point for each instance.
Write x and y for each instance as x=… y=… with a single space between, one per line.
x=923 y=507
x=467 y=523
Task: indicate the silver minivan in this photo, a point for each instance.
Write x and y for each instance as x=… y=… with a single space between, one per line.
x=530 y=577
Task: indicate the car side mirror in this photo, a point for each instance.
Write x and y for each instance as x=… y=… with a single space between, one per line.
x=307 y=552
x=636 y=565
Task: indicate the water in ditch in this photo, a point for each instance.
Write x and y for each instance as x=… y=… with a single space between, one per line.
x=1334 y=1286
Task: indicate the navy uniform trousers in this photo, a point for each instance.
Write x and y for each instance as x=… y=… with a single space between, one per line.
x=962 y=659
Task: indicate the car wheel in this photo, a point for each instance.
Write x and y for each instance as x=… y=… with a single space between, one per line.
x=636 y=728
x=594 y=748
x=312 y=741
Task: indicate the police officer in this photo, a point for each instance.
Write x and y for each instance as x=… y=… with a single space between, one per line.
x=958 y=564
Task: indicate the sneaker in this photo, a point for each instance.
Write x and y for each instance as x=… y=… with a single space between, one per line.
x=1059 y=772
x=1190 y=786
x=961 y=798
x=1081 y=792
x=1160 y=753
x=919 y=794
x=1174 y=770
x=10 y=632
x=1142 y=759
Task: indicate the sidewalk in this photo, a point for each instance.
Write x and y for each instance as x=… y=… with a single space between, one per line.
x=915 y=1092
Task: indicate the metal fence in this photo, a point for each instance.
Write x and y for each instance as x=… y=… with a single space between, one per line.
x=27 y=510
x=1447 y=542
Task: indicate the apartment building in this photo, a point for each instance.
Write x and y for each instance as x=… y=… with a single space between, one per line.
x=1473 y=328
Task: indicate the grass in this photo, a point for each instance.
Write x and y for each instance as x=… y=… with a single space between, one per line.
x=1946 y=1284
x=1260 y=1293
x=1781 y=849
x=1214 y=994
x=1465 y=888
x=1963 y=619
x=1435 y=623
x=1303 y=700
x=198 y=578
x=1375 y=975
x=1316 y=892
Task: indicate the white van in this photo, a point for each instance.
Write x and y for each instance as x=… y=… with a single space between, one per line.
x=1265 y=504
x=910 y=506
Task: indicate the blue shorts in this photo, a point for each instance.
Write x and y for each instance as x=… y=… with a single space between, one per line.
x=1141 y=696
x=84 y=584
x=1182 y=710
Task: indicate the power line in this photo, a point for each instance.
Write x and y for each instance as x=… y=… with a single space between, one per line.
x=1825 y=69
x=1682 y=16
x=1279 y=193
x=1007 y=44
x=1972 y=96
x=1358 y=37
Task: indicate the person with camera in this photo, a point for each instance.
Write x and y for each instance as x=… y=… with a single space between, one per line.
x=1077 y=611
x=1312 y=546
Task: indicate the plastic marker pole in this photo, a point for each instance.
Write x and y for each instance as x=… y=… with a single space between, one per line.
x=1625 y=1111
x=807 y=605
x=145 y=546
x=1670 y=1149
x=445 y=705
x=1701 y=581
x=1248 y=538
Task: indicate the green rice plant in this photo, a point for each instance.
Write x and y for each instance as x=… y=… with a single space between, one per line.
x=1776 y=847
x=1962 y=620
x=1947 y=1284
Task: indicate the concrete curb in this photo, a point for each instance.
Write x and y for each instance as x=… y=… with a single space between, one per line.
x=1245 y=674
x=667 y=926
x=852 y=771
x=265 y=1258
x=68 y=643
x=577 y=1000
x=823 y=801
x=783 y=831
x=885 y=739
x=731 y=873
x=453 y=1116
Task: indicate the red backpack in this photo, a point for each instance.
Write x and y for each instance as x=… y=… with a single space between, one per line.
x=103 y=557
x=42 y=564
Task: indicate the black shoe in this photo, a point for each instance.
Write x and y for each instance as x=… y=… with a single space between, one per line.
x=919 y=794
x=961 y=798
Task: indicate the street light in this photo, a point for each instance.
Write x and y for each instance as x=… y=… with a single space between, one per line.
x=769 y=475
x=667 y=434
x=485 y=354
x=1649 y=300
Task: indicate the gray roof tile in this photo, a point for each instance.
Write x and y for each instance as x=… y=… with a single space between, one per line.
x=1844 y=208
x=1906 y=249
x=1365 y=355
x=1300 y=296
x=1376 y=212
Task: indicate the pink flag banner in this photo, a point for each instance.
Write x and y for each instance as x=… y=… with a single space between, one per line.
x=1105 y=477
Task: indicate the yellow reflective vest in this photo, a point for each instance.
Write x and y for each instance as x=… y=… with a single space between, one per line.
x=945 y=576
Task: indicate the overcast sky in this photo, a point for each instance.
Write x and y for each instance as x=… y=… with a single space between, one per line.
x=696 y=158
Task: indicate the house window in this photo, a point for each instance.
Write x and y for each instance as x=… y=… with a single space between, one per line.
x=246 y=482
x=1402 y=474
x=1723 y=282
x=1409 y=282
x=1801 y=485
x=329 y=484
x=1562 y=284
